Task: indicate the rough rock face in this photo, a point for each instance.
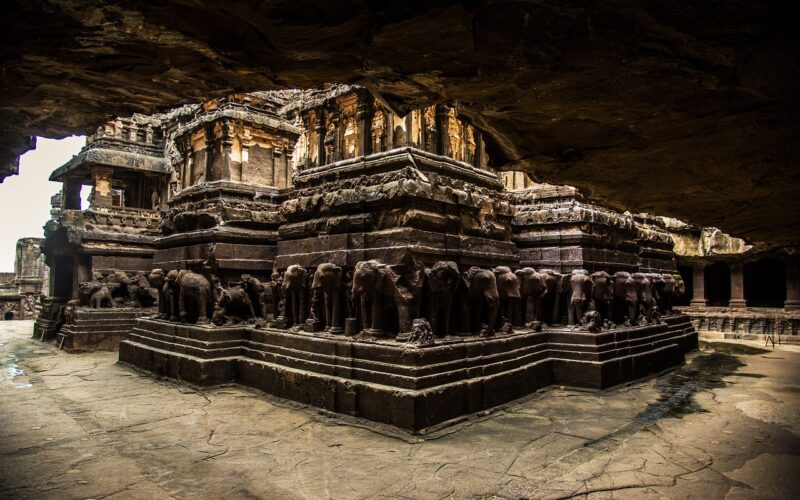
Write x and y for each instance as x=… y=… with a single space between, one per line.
x=679 y=108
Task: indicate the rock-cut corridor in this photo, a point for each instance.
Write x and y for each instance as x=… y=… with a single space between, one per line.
x=725 y=425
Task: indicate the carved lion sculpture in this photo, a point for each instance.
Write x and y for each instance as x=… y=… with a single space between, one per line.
x=592 y=322
x=421 y=334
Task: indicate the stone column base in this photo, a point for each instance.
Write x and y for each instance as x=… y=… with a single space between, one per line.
x=737 y=303
x=791 y=305
x=698 y=303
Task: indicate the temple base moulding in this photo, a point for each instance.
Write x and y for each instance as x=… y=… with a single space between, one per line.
x=414 y=389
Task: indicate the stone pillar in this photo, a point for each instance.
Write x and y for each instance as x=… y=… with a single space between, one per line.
x=81 y=272
x=72 y=194
x=270 y=180
x=410 y=128
x=478 y=137
x=737 y=287
x=185 y=172
x=388 y=126
x=320 y=129
x=226 y=143
x=792 y=284
x=279 y=179
x=364 y=128
x=208 y=168
x=245 y=174
x=287 y=175
x=442 y=120
x=101 y=194
x=337 y=151
x=698 y=286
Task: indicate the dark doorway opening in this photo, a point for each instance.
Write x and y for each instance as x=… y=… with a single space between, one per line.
x=62 y=279
x=8 y=316
x=718 y=284
x=765 y=283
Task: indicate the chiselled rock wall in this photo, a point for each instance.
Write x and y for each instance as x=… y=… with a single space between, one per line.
x=696 y=102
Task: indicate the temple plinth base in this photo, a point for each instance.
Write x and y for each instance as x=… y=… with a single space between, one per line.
x=390 y=382
x=99 y=329
x=752 y=323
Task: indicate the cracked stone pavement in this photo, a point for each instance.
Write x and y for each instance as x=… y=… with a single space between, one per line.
x=726 y=425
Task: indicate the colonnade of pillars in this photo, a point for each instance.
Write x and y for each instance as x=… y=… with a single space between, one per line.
x=738 y=298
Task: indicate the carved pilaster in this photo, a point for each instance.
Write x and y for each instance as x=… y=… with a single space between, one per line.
x=478 y=160
x=442 y=140
x=336 y=139
x=207 y=168
x=320 y=130
x=364 y=124
x=226 y=142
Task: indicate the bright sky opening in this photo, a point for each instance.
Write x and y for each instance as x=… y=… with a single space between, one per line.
x=25 y=198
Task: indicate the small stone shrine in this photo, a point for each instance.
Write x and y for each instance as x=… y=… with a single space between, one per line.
x=21 y=292
x=99 y=256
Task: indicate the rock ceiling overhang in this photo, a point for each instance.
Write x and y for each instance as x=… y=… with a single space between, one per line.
x=684 y=109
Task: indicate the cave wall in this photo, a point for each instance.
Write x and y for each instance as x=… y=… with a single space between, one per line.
x=684 y=109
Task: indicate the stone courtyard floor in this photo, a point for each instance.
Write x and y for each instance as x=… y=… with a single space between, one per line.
x=726 y=425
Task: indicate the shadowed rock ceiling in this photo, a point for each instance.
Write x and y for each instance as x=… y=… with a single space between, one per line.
x=687 y=109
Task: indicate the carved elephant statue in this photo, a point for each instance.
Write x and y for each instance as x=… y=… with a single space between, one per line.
x=551 y=305
x=680 y=287
x=667 y=297
x=441 y=285
x=257 y=294
x=171 y=294
x=294 y=289
x=625 y=298
x=328 y=280
x=275 y=286
x=532 y=290
x=657 y=284
x=196 y=289
x=380 y=286
x=644 y=295
x=482 y=300
x=157 y=279
x=602 y=293
x=508 y=291
x=580 y=286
